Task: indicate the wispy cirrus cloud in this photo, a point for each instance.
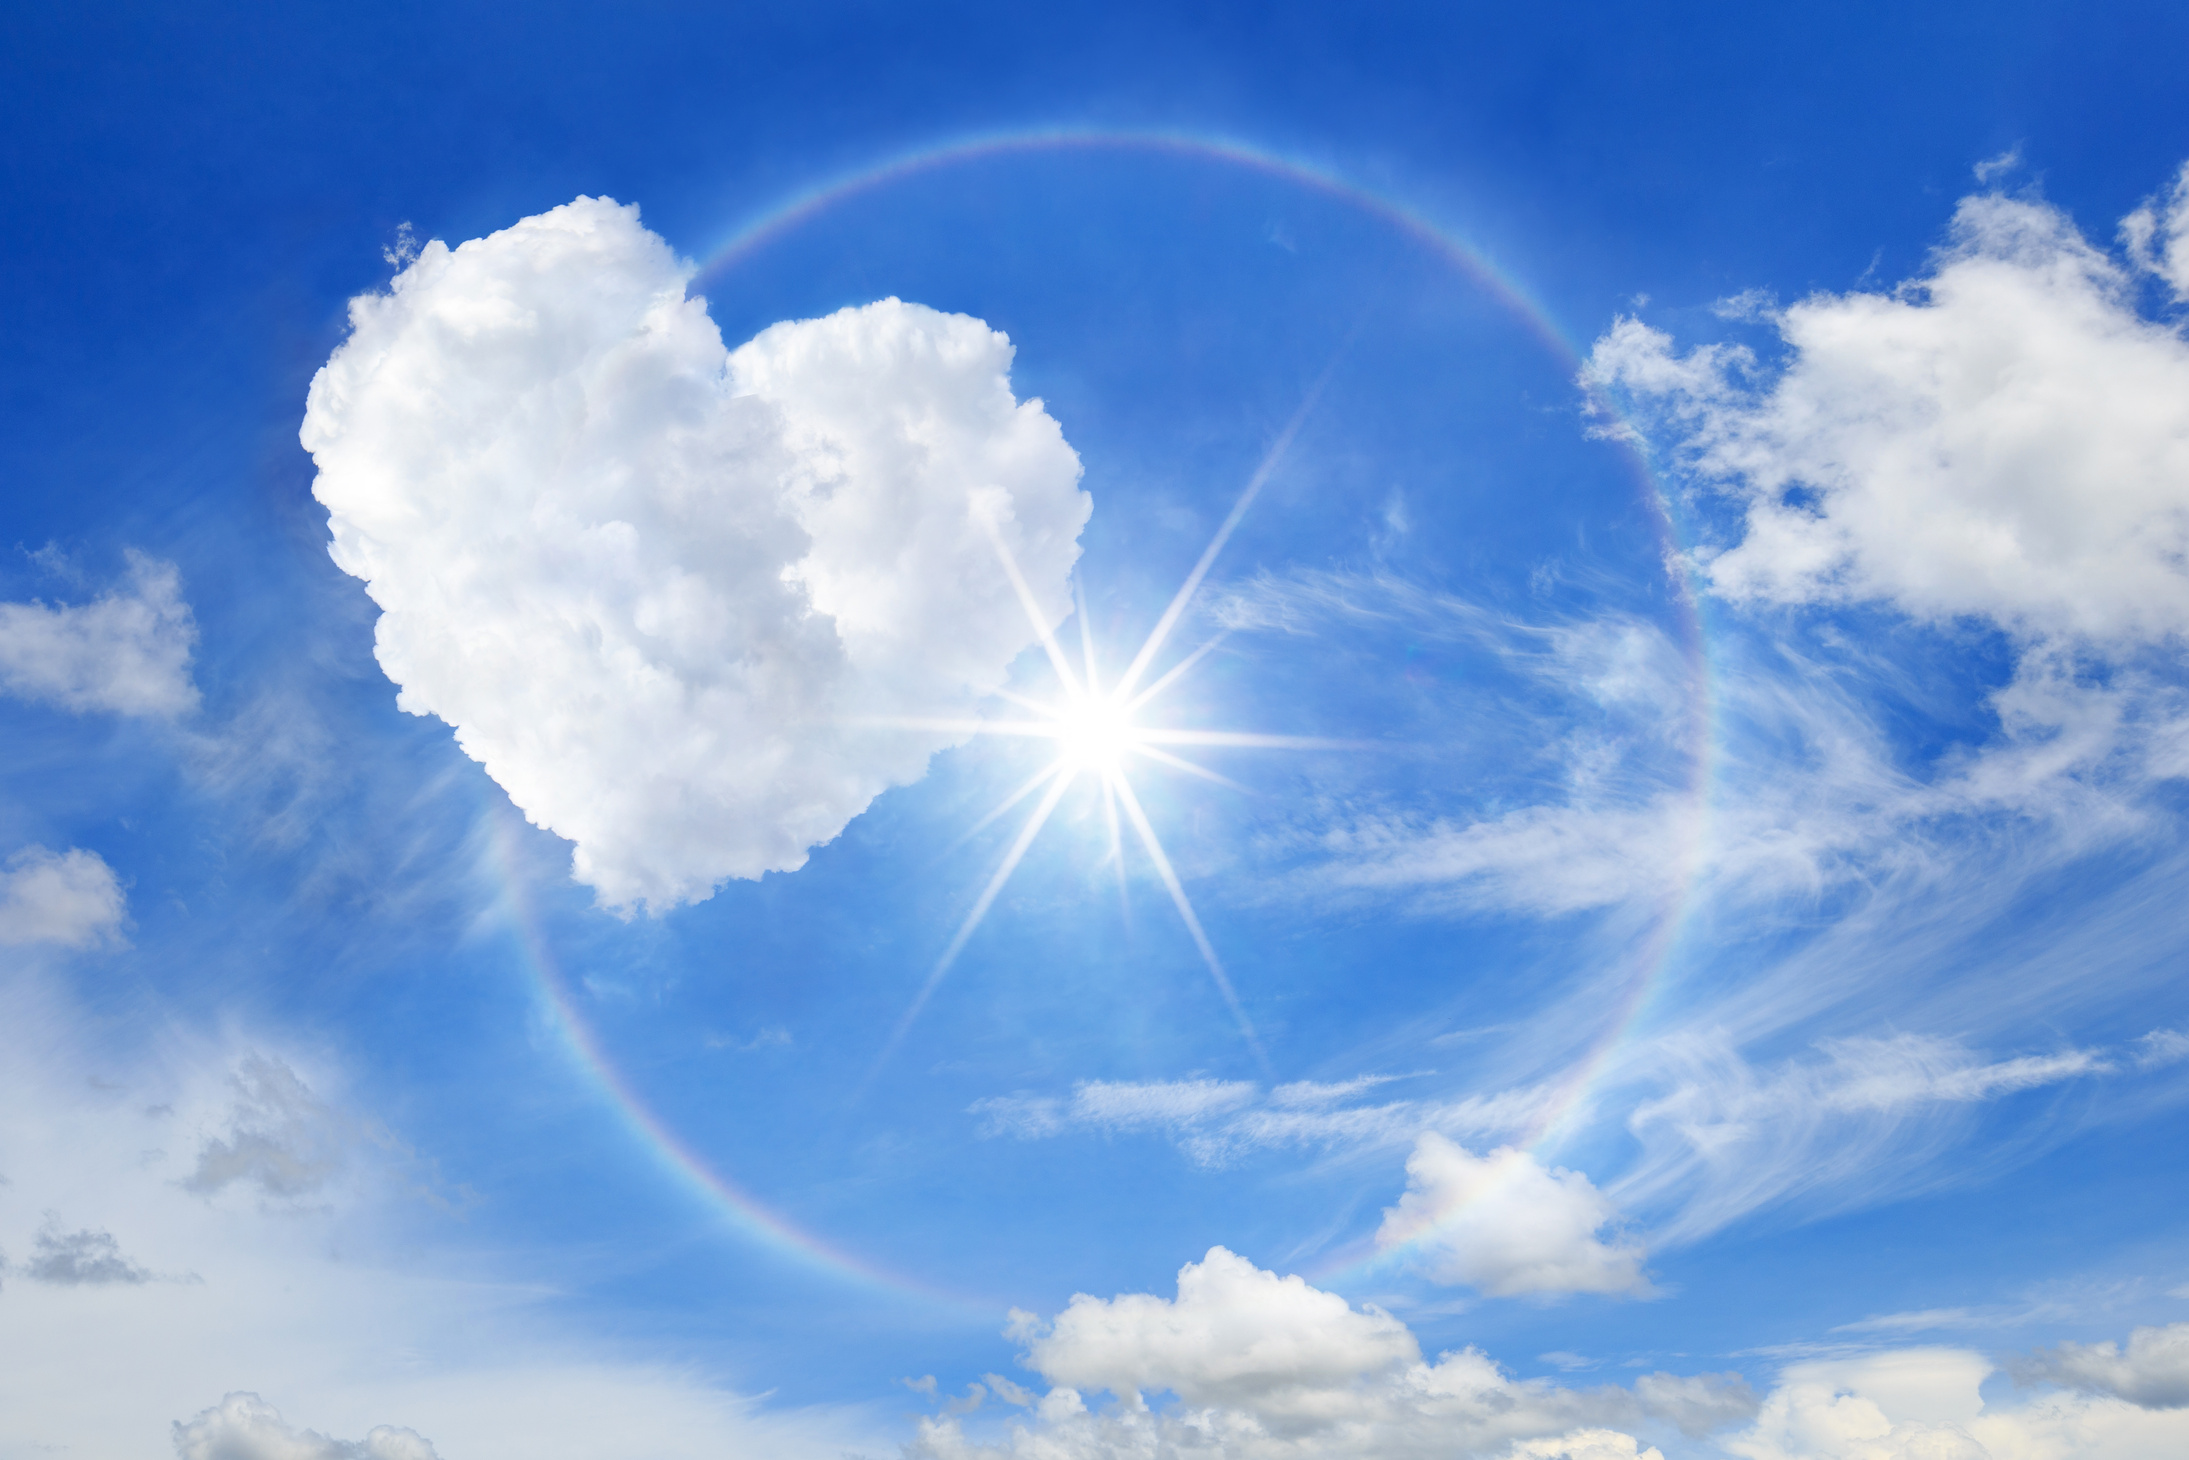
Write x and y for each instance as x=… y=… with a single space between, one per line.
x=1219 y=1121
x=1989 y=458
x=1839 y=1126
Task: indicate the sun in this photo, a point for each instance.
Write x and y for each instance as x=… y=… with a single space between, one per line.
x=1100 y=733
x=1096 y=735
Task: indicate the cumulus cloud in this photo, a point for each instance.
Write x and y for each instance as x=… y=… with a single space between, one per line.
x=1235 y=1333
x=71 y=898
x=1506 y=1224
x=281 y=1137
x=126 y=653
x=2153 y=1371
x=1265 y=1366
x=1585 y=1445
x=1924 y=1404
x=2001 y=439
x=81 y=1258
x=1915 y=1404
x=670 y=595
x=246 y=1427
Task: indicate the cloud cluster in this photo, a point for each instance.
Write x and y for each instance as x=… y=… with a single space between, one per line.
x=246 y=1427
x=1505 y=1224
x=71 y=898
x=677 y=599
x=2153 y=1371
x=126 y=653
x=1502 y=1223
x=1265 y=1366
x=281 y=1138
x=84 y=1257
x=2002 y=439
x=1924 y=1404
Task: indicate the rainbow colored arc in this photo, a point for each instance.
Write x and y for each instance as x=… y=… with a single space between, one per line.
x=1095 y=728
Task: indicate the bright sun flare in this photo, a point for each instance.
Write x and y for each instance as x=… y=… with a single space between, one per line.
x=1098 y=732
x=1096 y=735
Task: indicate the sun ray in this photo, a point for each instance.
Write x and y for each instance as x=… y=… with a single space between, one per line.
x=1192 y=585
x=1026 y=702
x=1173 y=675
x=1086 y=635
x=1057 y=786
x=1038 y=728
x=1034 y=615
x=1139 y=819
x=1247 y=739
x=1176 y=762
x=1003 y=807
x=1116 y=857
x=1096 y=735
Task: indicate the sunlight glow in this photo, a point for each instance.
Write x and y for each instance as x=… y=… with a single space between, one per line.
x=1098 y=733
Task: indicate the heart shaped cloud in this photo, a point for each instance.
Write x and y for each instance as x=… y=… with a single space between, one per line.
x=670 y=595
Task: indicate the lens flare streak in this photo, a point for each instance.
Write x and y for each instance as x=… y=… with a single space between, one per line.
x=1097 y=733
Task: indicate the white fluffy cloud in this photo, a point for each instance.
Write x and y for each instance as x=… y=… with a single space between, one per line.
x=71 y=898
x=1266 y=1366
x=1924 y=1404
x=2004 y=438
x=1234 y=1334
x=1594 y=1444
x=1505 y=1224
x=2153 y=1372
x=127 y=653
x=246 y=1427
x=670 y=594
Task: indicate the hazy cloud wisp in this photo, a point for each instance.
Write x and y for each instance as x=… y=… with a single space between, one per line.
x=126 y=653
x=71 y=898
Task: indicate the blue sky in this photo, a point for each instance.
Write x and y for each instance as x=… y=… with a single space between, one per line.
x=541 y=548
